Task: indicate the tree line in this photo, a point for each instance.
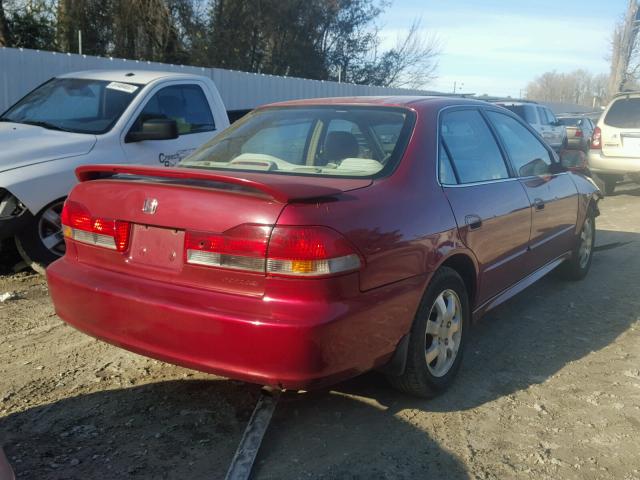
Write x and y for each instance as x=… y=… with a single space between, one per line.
x=318 y=39
x=579 y=87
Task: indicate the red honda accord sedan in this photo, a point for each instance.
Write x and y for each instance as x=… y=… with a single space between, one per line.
x=315 y=240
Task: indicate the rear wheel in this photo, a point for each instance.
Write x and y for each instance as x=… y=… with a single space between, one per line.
x=42 y=242
x=437 y=337
x=577 y=267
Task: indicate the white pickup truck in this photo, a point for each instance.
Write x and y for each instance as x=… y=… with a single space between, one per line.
x=144 y=117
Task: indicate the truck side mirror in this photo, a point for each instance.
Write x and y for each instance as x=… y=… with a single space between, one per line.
x=154 y=129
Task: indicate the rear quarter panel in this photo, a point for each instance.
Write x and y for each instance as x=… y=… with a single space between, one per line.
x=402 y=224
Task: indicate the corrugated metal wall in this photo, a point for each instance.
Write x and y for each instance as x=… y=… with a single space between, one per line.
x=22 y=70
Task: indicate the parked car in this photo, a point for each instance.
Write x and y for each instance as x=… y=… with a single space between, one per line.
x=579 y=130
x=542 y=119
x=315 y=240
x=153 y=118
x=615 y=146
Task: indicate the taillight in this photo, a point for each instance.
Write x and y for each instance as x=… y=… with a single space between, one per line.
x=283 y=250
x=309 y=251
x=79 y=225
x=241 y=248
x=596 y=139
x=578 y=132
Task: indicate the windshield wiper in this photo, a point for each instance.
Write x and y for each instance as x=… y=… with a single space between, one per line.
x=39 y=123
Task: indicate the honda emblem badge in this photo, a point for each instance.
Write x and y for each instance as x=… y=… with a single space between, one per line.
x=150 y=206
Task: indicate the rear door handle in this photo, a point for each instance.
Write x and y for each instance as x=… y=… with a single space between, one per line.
x=538 y=203
x=473 y=221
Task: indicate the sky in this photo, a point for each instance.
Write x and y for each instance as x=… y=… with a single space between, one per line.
x=497 y=47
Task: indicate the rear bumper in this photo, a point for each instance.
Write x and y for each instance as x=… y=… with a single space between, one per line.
x=618 y=165
x=272 y=341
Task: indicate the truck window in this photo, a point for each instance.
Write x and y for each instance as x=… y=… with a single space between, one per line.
x=74 y=104
x=186 y=104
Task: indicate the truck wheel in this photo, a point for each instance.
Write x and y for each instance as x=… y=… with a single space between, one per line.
x=436 y=340
x=41 y=242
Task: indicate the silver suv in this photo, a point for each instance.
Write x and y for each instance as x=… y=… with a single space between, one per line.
x=615 y=144
x=542 y=119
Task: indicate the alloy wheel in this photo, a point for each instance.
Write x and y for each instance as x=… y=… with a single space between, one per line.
x=586 y=243
x=443 y=333
x=50 y=229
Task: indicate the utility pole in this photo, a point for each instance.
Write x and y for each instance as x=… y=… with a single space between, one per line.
x=79 y=42
x=623 y=45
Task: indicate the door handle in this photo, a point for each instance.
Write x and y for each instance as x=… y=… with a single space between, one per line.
x=538 y=203
x=473 y=221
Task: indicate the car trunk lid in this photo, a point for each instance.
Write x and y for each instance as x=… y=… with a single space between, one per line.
x=163 y=206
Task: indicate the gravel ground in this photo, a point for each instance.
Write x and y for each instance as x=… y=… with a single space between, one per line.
x=550 y=388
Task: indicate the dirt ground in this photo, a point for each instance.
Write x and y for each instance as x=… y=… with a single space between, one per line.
x=549 y=389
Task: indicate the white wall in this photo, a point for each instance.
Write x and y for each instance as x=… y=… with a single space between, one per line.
x=22 y=70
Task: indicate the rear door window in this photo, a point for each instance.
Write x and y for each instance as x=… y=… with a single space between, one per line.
x=474 y=152
x=543 y=116
x=528 y=155
x=624 y=113
x=445 y=170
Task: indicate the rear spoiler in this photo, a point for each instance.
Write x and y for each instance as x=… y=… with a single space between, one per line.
x=279 y=188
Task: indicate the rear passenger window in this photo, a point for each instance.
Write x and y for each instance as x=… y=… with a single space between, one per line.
x=474 y=152
x=528 y=155
x=543 y=116
x=446 y=173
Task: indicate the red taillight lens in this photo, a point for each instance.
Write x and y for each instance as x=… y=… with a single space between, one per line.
x=243 y=248
x=79 y=225
x=596 y=139
x=289 y=251
x=578 y=132
x=310 y=251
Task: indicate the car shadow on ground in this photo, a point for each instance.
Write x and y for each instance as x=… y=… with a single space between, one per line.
x=190 y=429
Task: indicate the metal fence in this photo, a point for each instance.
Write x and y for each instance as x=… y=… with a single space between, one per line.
x=22 y=70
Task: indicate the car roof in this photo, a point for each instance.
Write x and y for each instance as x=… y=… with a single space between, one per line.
x=406 y=101
x=516 y=103
x=128 y=76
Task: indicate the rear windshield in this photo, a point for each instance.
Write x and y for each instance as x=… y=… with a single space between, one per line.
x=624 y=113
x=523 y=111
x=571 y=122
x=321 y=141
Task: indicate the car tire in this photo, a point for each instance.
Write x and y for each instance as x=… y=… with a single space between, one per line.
x=41 y=241
x=436 y=340
x=577 y=267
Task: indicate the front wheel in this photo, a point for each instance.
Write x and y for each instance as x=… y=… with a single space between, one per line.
x=577 y=267
x=42 y=242
x=437 y=336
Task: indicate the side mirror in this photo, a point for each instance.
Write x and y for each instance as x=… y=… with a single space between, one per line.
x=574 y=161
x=154 y=129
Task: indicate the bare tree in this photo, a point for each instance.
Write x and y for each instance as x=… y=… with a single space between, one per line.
x=578 y=87
x=413 y=59
x=624 y=47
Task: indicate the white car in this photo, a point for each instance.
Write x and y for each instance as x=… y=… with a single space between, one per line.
x=542 y=119
x=615 y=144
x=153 y=118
